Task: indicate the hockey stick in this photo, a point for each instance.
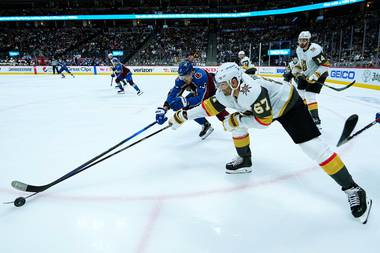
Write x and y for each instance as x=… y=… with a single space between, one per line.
x=30 y=188
x=111 y=81
x=329 y=86
x=349 y=127
x=339 y=89
x=130 y=145
x=37 y=189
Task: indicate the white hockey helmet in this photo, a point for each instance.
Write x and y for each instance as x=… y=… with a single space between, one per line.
x=226 y=72
x=110 y=55
x=241 y=53
x=304 y=35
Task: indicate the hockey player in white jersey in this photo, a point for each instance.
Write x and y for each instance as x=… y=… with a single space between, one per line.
x=259 y=102
x=311 y=72
x=288 y=76
x=246 y=64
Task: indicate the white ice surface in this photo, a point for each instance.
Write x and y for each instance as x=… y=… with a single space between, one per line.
x=169 y=193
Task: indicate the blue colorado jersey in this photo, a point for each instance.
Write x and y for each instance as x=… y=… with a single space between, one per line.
x=197 y=87
x=62 y=64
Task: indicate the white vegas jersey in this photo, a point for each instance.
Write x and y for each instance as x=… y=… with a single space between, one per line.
x=245 y=63
x=292 y=64
x=264 y=97
x=312 y=60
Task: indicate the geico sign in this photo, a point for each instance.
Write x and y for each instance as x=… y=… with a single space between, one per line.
x=343 y=74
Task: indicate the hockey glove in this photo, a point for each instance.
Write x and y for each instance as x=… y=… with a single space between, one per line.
x=160 y=115
x=178 y=103
x=232 y=122
x=113 y=75
x=314 y=77
x=297 y=71
x=177 y=119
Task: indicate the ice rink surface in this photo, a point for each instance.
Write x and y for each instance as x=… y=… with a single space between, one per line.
x=169 y=193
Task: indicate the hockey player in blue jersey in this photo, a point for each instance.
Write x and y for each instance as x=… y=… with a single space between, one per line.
x=114 y=61
x=200 y=86
x=122 y=73
x=63 y=67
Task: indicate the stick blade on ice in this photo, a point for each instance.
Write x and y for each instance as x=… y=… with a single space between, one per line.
x=19 y=185
x=349 y=126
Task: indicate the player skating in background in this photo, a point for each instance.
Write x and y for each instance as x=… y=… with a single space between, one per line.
x=122 y=74
x=63 y=67
x=114 y=61
x=260 y=101
x=200 y=85
x=288 y=76
x=311 y=72
x=246 y=63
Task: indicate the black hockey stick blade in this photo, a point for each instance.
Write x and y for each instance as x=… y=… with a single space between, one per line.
x=342 y=88
x=349 y=126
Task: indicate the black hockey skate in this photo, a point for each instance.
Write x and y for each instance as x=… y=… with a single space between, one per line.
x=359 y=203
x=207 y=129
x=239 y=165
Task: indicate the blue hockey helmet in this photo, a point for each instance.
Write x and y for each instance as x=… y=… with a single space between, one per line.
x=115 y=61
x=185 y=68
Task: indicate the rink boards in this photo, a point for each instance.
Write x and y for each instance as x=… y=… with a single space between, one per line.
x=365 y=77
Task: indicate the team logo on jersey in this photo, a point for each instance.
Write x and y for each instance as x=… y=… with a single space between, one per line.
x=245 y=89
x=197 y=75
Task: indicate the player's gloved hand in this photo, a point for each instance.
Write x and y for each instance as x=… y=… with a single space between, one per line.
x=113 y=68
x=378 y=117
x=232 y=122
x=178 y=103
x=178 y=118
x=297 y=71
x=160 y=115
x=314 y=77
x=113 y=75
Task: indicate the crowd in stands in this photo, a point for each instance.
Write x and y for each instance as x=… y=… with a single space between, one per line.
x=348 y=40
x=170 y=45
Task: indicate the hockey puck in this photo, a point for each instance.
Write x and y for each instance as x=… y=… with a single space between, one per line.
x=19 y=201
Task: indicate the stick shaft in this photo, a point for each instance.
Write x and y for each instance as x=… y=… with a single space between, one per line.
x=121 y=150
x=31 y=188
x=361 y=130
